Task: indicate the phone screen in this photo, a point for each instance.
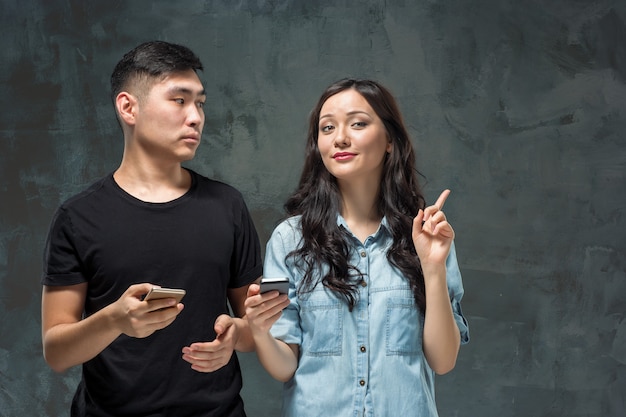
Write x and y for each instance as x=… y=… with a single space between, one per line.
x=275 y=284
x=156 y=293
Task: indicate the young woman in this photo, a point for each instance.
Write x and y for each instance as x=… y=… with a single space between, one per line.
x=373 y=309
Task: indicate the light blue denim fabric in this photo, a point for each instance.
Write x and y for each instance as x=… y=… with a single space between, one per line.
x=368 y=362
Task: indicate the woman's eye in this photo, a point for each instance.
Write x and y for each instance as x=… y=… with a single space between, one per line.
x=201 y=104
x=326 y=128
x=179 y=100
x=359 y=124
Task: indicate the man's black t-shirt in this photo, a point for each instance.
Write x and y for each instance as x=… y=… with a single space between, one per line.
x=204 y=242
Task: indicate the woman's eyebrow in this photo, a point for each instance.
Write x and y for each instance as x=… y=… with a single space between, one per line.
x=350 y=113
x=353 y=112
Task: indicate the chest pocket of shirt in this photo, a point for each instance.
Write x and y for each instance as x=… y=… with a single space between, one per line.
x=404 y=325
x=322 y=326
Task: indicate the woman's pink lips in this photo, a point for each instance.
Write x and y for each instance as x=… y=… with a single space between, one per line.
x=342 y=156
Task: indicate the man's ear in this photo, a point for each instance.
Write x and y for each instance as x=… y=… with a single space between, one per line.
x=126 y=105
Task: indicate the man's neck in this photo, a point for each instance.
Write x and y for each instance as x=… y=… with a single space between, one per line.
x=153 y=184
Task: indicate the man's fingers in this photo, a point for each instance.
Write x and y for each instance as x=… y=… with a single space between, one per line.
x=222 y=323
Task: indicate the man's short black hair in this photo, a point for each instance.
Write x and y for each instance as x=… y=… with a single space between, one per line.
x=153 y=59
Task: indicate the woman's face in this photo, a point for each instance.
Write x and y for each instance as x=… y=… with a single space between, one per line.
x=352 y=138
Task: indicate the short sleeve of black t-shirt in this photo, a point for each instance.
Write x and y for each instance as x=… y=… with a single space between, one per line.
x=204 y=242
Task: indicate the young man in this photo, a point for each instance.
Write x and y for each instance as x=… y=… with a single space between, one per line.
x=152 y=223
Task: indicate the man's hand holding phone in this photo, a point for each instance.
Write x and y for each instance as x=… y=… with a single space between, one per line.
x=140 y=317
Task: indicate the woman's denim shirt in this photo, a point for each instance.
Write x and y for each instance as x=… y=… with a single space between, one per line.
x=364 y=362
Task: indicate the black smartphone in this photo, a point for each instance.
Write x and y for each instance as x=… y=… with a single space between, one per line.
x=275 y=284
x=156 y=292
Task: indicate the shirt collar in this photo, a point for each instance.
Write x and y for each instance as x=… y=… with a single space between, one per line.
x=384 y=225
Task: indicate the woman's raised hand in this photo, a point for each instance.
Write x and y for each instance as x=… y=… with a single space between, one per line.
x=432 y=234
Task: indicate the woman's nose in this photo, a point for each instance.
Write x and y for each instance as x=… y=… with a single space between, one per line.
x=342 y=139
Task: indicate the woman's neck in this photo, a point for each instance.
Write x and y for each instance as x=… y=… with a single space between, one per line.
x=360 y=209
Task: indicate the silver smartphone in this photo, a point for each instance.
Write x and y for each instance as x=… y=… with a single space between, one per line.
x=156 y=293
x=280 y=284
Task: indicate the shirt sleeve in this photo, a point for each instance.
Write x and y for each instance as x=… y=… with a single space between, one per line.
x=283 y=240
x=456 y=291
x=61 y=264
x=247 y=263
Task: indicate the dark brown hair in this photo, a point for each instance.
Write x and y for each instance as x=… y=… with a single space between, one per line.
x=317 y=200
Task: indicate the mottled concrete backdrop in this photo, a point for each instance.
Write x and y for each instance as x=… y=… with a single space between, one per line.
x=518 y=106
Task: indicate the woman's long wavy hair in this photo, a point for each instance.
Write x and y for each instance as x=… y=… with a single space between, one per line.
x=317 y=199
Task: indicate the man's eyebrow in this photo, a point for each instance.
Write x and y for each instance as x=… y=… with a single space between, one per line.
x=185 y=90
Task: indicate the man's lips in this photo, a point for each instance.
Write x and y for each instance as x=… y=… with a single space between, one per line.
x=192 y=136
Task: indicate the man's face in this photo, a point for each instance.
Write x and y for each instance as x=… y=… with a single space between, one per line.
x=170 y=117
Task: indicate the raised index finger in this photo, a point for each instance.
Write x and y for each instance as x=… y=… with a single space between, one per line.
x=442 y=199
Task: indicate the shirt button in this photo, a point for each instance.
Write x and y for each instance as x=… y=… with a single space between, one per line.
x=363 y=254
x=363 y=349
x=363 y=283
x=361 y=382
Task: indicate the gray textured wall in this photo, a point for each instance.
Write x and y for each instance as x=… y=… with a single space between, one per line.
x=518 y=106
